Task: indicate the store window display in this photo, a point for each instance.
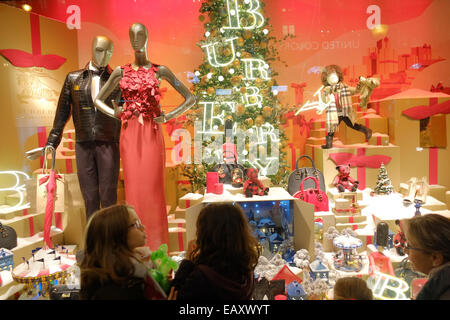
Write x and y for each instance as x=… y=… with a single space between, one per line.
x=97 y=135
x=141 y=141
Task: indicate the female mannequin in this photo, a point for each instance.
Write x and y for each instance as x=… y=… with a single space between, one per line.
x=141 y=141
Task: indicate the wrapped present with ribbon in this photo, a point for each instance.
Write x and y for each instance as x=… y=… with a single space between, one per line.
x=407 y=112
x=189 y=200
x=379 y=139
x=177 y=239
x=364 y=160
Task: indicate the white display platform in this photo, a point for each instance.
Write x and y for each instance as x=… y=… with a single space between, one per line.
x=275 y=194
x=303 y=214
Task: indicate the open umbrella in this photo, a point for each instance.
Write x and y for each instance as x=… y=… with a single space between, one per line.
x=51 y=192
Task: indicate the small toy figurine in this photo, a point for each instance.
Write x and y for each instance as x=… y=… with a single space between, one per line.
x=164 y=264
x=343 y=180
x=400 y=240
x=237 y=178
x=252 y=185
x=417 y=205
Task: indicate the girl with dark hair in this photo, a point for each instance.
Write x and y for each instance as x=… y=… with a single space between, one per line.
x=220 y=262
x=428 y=249
x=112 y=266
x=351 y=288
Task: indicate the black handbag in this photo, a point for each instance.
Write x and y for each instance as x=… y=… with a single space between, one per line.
x=8 y=237
x=297 y=176
x=225 y=171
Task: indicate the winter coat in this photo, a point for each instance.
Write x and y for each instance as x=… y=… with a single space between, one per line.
x=201 y=282
x=437 y=286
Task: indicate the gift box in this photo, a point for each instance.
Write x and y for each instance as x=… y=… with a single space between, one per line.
x=373 y=121
x=364 y=160
x=178 y=213
x=293 y=153
x=318 y=133
x=348 y=135
x=173 y=222
x=352 y=197
x=379 y=139
x=404 y=131
x=316 y=141
x=190 y=200
x=350 y=219
x=35 y=63
x=437 y=192
x=177 y=239
x=353 y=226
x=342 y=204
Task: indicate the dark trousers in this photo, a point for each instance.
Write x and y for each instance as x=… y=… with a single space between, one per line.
x=98 y=165
x=356 y=126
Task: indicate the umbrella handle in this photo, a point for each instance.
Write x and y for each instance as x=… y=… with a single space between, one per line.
x=53 y=151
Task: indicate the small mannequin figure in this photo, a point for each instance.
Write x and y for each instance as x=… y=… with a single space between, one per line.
x=141 y=140
x=97 y=135
x=340 y=108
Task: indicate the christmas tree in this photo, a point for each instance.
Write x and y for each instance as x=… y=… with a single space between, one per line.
x=384 y=184
x=236 y=82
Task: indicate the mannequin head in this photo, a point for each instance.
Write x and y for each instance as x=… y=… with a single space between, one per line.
x=102 y=49
x=138 y=37
x=331 y=75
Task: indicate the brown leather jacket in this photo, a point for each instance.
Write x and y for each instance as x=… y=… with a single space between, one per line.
x=76 y=100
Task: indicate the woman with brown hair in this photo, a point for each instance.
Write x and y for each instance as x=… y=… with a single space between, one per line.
x=112 y=267
x=428 y=249
x=220 y=262
x=351 y=288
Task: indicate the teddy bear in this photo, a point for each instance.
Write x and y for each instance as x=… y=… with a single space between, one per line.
x=252 y=186
x=343 y=180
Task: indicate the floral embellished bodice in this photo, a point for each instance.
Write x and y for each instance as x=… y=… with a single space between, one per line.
x=140 y=92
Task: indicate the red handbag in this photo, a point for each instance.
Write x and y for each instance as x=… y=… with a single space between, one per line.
x=314 y=195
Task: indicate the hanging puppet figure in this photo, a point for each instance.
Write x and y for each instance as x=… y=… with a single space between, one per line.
x=338 y=103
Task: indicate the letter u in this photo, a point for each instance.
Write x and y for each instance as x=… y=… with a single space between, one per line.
x=212 y=56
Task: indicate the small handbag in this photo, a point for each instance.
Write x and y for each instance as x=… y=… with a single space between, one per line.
x=299 y=174
x=314 y=195
x=8 y=237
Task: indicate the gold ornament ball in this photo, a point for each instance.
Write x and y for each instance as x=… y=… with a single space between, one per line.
x=240 y=41
x=259 y=120
x=211 y=91
x=227 y=52
x=200 y=168
x=236 y=63
x=247 y=34
x=267 y=111
x=243 y=89
x=258 y=81
x=240 y=109
x=249 y=122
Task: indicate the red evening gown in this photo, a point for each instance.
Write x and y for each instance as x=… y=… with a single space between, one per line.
x=142 y=151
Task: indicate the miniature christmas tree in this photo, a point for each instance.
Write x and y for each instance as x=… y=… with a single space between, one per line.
x=384 y=184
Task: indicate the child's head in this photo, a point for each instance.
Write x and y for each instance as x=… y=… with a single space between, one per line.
x=115 y=226
x=352 y=288
x=111 y=235
x=224 y=239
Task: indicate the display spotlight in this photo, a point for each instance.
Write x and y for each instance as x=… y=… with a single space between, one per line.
x=26 y=7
